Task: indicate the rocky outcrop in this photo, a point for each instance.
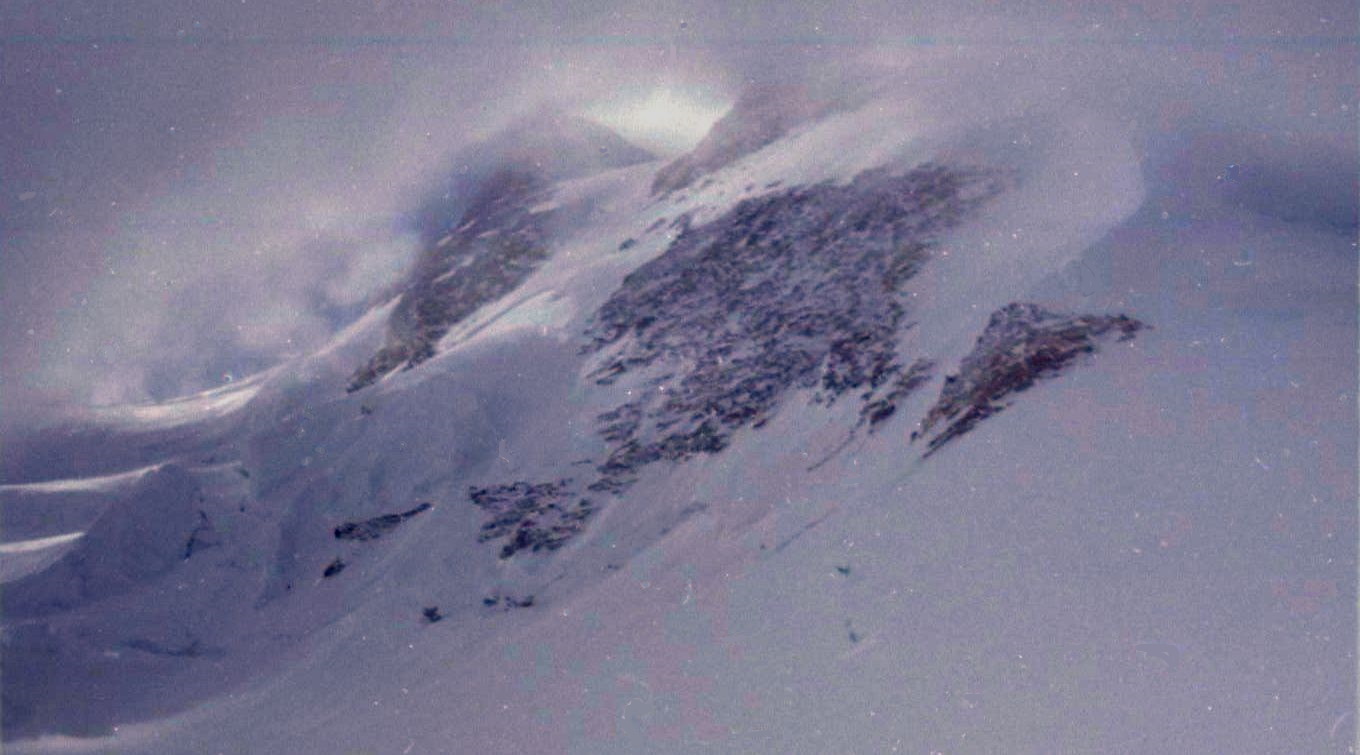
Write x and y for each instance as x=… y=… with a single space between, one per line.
x=372 y=529
x=803 y=288
x=202 y=536
x=879 y=410
x=1022 y=343
x=530 y=517
x=507 y=602
x=486 y=229
x=499 y=244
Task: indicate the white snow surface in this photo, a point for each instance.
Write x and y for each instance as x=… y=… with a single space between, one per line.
x=1152 y=552
x=100 y=484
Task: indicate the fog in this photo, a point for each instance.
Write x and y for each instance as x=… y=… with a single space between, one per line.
x=195 y=191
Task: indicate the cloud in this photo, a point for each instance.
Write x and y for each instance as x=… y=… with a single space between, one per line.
x=194 y=192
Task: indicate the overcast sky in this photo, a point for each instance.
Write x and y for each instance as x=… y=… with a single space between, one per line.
x=192 y=190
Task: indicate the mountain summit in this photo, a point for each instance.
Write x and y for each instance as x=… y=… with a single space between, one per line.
x=762 y=114
x=486 y=232
x=549 y=144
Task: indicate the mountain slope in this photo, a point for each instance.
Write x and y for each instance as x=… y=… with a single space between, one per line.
x=951 y=441
x=489 y=229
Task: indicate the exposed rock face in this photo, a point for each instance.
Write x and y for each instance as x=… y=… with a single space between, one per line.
x=372 y=529
x=877 y=411
x=507 y=602
x=760 y=116
x=1021 y=344
x=487 y=229
x=499 y=244
x=530 y=517
x=799 y=289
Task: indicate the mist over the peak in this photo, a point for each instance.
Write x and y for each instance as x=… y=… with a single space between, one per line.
x=551 y=143
x=193 y=193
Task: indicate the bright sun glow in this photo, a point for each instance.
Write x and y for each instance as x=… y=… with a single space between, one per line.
x=664 y=120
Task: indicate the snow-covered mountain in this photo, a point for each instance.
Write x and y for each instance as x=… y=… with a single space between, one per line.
x=852 y=431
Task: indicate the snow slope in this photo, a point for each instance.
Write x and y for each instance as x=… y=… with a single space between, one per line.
x=1151 y=550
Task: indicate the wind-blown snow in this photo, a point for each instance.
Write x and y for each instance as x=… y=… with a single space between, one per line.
x=807 y=588
x=103 y=483
x=19 y=558
x=212 y=404
x=38 y=544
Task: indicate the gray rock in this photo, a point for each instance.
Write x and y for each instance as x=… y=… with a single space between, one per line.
x=333 y=568
x=1021 y=344
x=804 y=288
x=372 y=529
x=486 y=229
x=533 y=517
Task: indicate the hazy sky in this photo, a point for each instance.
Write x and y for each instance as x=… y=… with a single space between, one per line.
x=193 y=190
